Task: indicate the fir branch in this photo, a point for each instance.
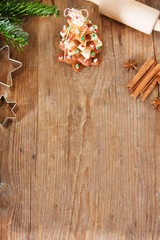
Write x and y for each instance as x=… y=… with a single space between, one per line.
x=12 y=8
x=13 y=33
x=12 y=13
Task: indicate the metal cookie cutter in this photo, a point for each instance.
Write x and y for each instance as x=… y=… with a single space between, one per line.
x=8 y=66
x=6 y=110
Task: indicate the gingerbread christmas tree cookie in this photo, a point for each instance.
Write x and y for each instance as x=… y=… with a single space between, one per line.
x=80 y=43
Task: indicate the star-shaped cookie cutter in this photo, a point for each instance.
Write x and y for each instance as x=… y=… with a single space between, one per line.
x=3 y=119
x=12 y=61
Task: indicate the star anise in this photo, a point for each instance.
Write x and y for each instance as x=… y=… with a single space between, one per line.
x=130 y=64
x=156 y=103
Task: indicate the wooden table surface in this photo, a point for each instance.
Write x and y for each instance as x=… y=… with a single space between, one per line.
x=82 y=160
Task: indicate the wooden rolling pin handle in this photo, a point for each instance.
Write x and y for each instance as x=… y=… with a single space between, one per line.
x=157 y=26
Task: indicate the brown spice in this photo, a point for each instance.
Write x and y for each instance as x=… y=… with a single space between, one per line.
x=145 y=88
x=156 y=103
x=149 y=90
x=130 y=64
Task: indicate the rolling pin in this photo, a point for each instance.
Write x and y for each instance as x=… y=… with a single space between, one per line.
x=131 y=13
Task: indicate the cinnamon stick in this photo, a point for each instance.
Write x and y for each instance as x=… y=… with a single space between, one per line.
x=148 y=84
x=149 y=90
x=136 y=85
x=145 y=81
x=146 y=66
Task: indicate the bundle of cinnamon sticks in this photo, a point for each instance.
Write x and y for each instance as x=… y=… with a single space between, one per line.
x=145 y=80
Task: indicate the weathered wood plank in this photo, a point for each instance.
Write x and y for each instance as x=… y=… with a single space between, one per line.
x=129 y=179
x=18 y=145
x=61 y=130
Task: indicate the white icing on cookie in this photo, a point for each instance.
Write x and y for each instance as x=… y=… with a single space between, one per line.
x=95 y=28
x=62 y=34
x=76 y=31
x=71 y=52
x=82 y=46
x=70 y=45
x=86 y=60
x=92 y=45
x=93 y=36
x=86 y=53
x=98 y=43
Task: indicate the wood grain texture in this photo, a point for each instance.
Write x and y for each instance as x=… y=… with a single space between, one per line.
x=82 y=161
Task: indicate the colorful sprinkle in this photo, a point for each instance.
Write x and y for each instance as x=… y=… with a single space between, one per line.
x=69 y=57
x=68 y=27
x=85 y=60
x=82 y=38
x=77 y=50
x=77 y=66
x=92 y=45
x=93 y=53
x=82 y=46
x=60 y=57
x=61 y=42
x=86 y=19
x=70 y=50
x=94 y=35
x=94 y=26
x=98 y=48
x=95 y=60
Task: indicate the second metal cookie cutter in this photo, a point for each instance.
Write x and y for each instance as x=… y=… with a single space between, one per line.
x=6 y=110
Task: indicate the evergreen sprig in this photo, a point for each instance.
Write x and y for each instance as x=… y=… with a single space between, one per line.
x=11 y=16
x=13 y=33
x=26 y=8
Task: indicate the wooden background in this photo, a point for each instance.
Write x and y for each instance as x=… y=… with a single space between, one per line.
x=82 y=161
